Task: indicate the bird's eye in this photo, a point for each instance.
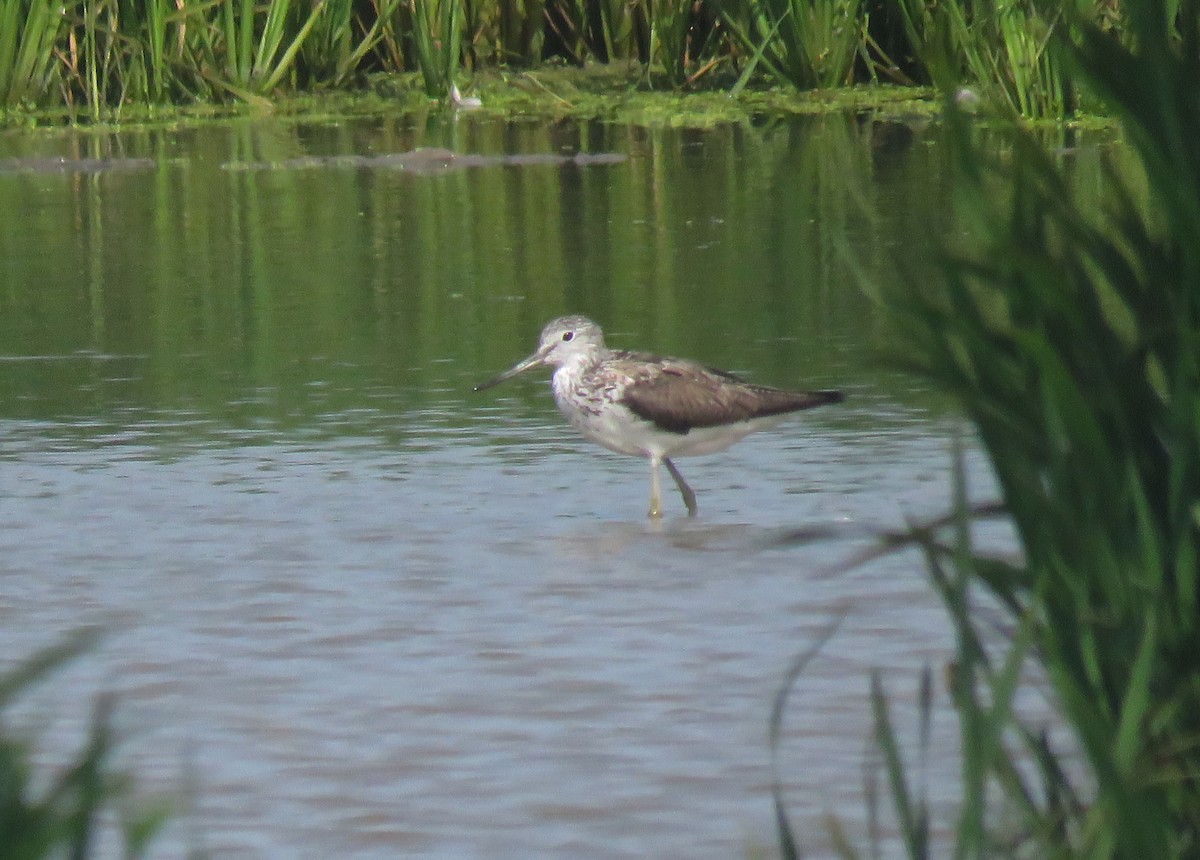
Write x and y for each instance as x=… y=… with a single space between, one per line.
x=568 y=335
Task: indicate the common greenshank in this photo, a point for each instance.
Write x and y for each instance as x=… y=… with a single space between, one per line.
x=650 y=406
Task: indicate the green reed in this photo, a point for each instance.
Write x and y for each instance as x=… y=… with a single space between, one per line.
x=437 y=43
x=347 y=41
x=94 y=56
x=598 y=30
x=808 y=43
x=1000 y=48
x=670 y=22
x=43 y=818
x=29 y=32
x=519 y=31
x=1070 y=334
x=100 y=54
x=261 y=50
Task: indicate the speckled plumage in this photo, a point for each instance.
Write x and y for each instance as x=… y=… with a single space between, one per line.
x=651 y=406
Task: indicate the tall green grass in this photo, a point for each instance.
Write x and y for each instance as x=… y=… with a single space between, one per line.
x=808 y=43
x=29 y=34
x=1071 y=337
x=437 y=42
x=96 y=56
x=1001 y=49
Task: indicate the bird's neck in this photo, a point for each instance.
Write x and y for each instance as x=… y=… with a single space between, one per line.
x=575 y=368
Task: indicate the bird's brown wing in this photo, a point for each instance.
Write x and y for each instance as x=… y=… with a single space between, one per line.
x=680 y=395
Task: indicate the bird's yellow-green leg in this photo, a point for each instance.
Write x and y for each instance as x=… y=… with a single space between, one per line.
x=655 y=494
x=689 y=498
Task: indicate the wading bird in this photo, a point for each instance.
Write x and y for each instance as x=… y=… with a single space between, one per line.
x=649 y=406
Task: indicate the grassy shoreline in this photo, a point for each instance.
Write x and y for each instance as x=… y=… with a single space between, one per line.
x=109 y=61
x=552 y=93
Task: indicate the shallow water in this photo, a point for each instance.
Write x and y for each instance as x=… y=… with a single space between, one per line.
x=358 y=610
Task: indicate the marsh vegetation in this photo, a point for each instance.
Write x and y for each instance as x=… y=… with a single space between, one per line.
x=97 y=59
x=1068 y=334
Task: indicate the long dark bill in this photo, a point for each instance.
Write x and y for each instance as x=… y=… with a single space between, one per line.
x=520 y=367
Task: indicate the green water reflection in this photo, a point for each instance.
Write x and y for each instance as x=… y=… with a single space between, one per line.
x=276 y=295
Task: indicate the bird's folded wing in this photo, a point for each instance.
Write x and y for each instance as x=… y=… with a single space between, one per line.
x=678 y=396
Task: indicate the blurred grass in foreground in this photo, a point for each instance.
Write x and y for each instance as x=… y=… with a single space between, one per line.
x=1071 y=338
x=63 y=814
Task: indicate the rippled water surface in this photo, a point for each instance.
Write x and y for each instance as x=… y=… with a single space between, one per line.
x=356 y=609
